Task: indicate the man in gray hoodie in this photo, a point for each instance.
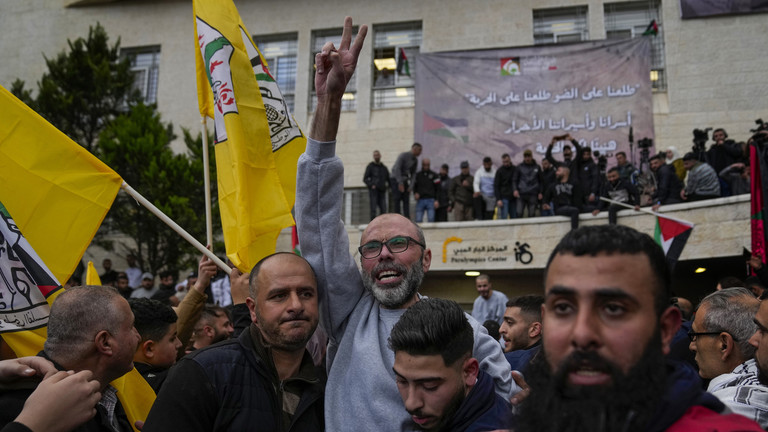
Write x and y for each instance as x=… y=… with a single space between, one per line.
x=359 y=308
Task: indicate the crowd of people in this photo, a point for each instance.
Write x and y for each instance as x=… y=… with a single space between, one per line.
x=314 y=342
x=565 y=187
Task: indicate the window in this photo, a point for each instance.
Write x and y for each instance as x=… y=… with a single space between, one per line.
x=280 y=51
x=628 y=20
x=145 y=65
x=319 y=38
x=395 y=48
x=560 y=25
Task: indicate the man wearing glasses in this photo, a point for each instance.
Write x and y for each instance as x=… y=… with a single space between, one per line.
x=358 y=308
x=720 y=338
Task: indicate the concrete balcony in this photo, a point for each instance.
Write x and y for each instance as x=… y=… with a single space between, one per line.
x=515 y=252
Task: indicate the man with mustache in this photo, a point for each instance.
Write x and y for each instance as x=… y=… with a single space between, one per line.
x=720 y=338
x=441 y=384
x=358 y=308
x=265 y=379
x=607 y=324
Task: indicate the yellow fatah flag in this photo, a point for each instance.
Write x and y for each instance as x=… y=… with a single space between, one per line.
x=91 y=275
x=57 y=192
x=27 y=288
x=257 y=139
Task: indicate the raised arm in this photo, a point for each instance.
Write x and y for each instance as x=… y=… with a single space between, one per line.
x=320 y=187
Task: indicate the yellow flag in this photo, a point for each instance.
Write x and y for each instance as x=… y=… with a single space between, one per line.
x=57 y=192
x=91 y=275
x=257 y=139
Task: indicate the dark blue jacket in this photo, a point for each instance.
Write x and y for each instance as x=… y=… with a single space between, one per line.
x=482 y=409
x=519 y=359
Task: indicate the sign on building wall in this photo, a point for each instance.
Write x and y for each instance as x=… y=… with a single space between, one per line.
x=471 y=104
x=705 y=8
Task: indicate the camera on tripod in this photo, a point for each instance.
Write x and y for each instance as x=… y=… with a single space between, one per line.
x=760 y=137
x=700 y=138
x=645 y=143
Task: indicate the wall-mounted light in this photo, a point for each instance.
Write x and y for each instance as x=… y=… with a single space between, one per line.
x=700 y=270
x=472 y=273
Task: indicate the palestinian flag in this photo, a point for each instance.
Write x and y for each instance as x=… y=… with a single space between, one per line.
x=295 y=241
x=403 y=68
x=758 y=156
x=672 y=235
x=652 y=29
x=451 y=128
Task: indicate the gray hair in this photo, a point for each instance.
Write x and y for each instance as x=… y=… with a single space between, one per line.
x=732 y=310
x=77 y=315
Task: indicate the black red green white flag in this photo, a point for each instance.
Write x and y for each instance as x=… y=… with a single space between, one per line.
x=758 y=168
x=671 y=235
x=403 y=67
x=652 y=29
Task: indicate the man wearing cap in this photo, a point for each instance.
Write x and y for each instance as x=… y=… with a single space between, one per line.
x=147 y=288
x=460 y=194
x=527 y=184
x=702 y=180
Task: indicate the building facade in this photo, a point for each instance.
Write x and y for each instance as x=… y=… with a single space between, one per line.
x=705 y=72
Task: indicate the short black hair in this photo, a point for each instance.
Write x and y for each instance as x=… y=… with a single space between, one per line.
x=720 y=130
x=433 y=326
x=613 y=169
x=166 y=273
x=619 y=239
x=487 y=159
x=416 y=145
x=730 y=282
x=152 y=318
x=530 y=306
x=658 y=156
x=493 y=328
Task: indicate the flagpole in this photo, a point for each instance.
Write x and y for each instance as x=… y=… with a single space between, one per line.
x=174 y=226
x=683 y=221
x=207 y=187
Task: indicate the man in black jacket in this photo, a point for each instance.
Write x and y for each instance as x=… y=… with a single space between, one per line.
x=425 y=188
x=668 y=184
x=565 y=196
x=443 y=199
x=265 y=379
x=588 y=176
x=503 y=188
x=377 y=178
x=527 y=185
x=618 y=190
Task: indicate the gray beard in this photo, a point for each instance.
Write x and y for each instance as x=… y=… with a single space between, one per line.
x=395 y=297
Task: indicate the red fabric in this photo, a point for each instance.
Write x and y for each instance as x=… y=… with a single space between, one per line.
x=701 y=419
x=671 y=228
x=757 y=206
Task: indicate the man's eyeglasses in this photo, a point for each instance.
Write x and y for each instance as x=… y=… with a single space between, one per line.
x=394 y=245
x=692 y=335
